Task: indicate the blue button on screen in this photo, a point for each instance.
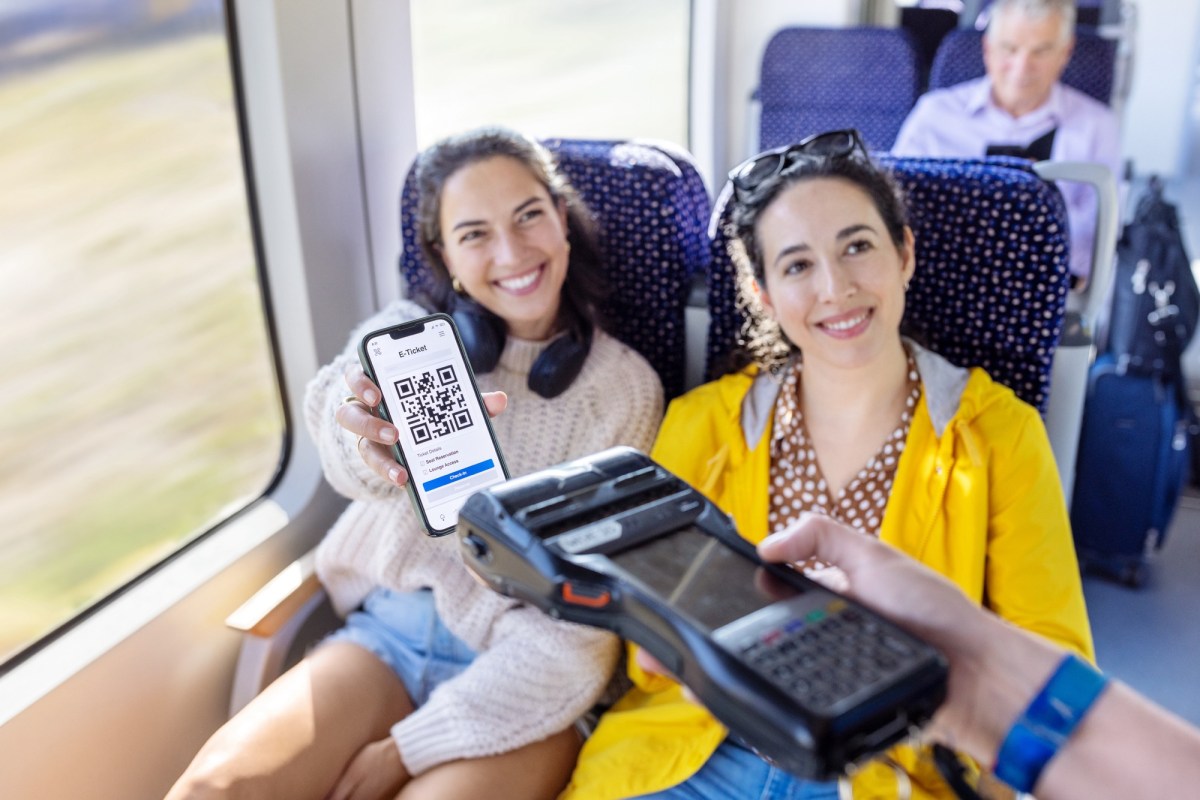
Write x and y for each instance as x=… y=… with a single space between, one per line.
x=458 y=475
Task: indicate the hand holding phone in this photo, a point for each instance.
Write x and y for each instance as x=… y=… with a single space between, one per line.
x=446 y=441
x=376 y=436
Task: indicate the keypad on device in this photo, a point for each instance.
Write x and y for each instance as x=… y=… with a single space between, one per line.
x=829 y=654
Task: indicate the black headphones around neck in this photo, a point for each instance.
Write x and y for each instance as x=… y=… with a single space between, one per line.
x=483 y=335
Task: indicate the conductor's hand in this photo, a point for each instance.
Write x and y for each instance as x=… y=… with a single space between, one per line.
x=909 y=594
x=376 y=436
x=879 y=576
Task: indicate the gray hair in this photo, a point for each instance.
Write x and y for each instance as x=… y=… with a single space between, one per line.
x=1037 y=9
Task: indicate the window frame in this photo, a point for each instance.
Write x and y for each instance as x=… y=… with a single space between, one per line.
x=325 y=240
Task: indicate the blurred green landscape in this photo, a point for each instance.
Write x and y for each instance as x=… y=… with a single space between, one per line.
x=139 y=404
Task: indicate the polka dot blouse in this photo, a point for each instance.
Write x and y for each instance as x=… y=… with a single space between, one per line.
x=797 y=484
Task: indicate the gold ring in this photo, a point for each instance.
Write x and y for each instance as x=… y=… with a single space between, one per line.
x=351 y=398
x=358 y=446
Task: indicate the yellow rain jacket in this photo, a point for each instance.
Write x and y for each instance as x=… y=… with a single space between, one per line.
x=976 y=497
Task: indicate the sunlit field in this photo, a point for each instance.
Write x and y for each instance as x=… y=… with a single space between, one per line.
x=138 y=405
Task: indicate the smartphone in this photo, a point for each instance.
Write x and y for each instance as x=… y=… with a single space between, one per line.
x=429 y=393
x=806 y=677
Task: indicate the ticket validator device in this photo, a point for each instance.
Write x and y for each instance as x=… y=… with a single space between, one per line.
x=809 y=679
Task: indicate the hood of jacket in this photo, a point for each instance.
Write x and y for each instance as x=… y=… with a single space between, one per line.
x=942 y=383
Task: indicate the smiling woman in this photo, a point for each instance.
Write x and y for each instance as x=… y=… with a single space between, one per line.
x=435 y=686
x=838 y=414
x=512 y=250
x=507 y=241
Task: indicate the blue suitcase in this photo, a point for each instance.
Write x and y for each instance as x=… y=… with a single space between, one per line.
x=1132 y=465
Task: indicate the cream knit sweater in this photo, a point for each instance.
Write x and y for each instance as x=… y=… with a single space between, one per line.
x=533 y=676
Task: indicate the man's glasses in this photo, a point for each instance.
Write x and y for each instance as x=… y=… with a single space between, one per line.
x=749 y=175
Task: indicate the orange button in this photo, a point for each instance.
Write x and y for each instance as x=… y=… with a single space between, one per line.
x=585 y=596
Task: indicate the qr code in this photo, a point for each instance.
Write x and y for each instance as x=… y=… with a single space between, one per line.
x=432 y=404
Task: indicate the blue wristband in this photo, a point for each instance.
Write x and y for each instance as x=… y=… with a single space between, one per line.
x=1048 y=722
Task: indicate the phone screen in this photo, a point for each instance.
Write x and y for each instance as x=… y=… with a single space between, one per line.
x=445 y=439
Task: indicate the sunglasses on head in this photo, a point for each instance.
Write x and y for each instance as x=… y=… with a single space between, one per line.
x=749 y=175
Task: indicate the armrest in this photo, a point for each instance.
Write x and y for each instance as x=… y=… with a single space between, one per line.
x=291 y=609
x=269 y=609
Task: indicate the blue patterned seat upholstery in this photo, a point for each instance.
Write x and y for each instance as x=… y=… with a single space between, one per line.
x=991 y=280
x=652 y=208
x=1091 y=69
x=821 y=79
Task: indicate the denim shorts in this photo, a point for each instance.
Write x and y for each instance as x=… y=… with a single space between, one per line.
x=404 y=631
x=733 y=771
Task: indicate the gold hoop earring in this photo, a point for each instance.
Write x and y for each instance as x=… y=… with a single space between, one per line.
x=456 y=285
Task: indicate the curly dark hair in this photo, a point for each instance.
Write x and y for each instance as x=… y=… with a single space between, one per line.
x=763 y=342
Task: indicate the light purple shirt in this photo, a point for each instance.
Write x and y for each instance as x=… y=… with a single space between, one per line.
x=961 y=121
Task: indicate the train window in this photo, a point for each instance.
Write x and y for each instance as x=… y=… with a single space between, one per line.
x=587 y=69
x=140 y=404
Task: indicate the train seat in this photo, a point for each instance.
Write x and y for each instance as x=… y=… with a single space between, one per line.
x=927 y=26
x=820 y=79
x=1091 y=70
x=653 y=210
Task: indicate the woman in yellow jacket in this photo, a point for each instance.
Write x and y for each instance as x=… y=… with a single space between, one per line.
x=865 y=426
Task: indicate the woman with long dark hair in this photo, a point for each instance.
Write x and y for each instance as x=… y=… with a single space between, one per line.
x=832 y=411
x=437 y=687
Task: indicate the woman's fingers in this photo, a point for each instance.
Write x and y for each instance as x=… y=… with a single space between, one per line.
x=381 y=461
x=362 y=387
x=354 y=415
x=375 y=436
x=495 y=402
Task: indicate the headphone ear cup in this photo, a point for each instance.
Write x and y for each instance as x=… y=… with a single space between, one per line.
x=482 y=336
x=559 y=365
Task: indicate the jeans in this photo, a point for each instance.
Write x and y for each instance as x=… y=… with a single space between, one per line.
x=403 y=630
x=735 y=772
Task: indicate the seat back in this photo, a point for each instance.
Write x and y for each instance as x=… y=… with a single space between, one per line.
x=991 y=280
x=652 y=209
x=927 y=26
x=821 y=79
x=1091 y=69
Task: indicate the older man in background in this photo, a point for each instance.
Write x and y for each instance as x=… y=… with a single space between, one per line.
x=1021 y=108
